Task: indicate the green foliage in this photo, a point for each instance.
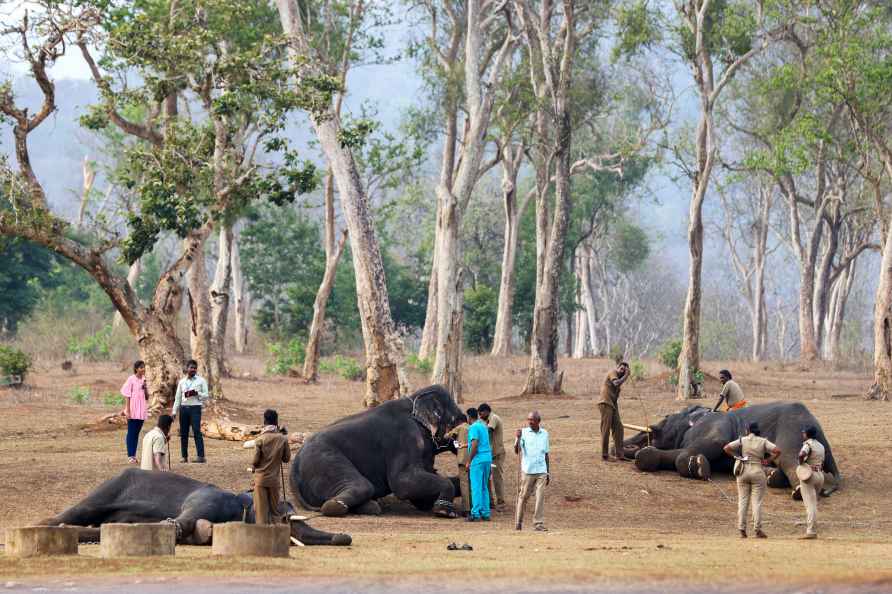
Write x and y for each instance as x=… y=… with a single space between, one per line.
x=637 y=371
x=345 y=367
x=670 y=353
x=616 y=353
x=728 y=31
x=631 y=246
x=93 y=347
x=14 y=362
x=285 y=356
x=697 y=377
x=481 y=307
x=25 y=272
x=79 y=395
x=637 y=29
x=419 y=364
x=113 y=399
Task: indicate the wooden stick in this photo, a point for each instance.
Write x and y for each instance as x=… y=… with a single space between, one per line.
x=638 y=428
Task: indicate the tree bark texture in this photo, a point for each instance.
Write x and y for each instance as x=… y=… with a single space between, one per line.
x=385 y=373
x=220 y=298
x=132 y=277
x=333 y=250
x=200 y=317
x=242 y=299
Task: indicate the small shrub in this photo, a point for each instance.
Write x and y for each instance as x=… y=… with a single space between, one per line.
x=93 y=347
x=637 y=371
x=419 y=364
x=80 y=395
x=14 y=362
x=670 y=353
x=285 y=356
x=113 y=399
x=616 y=353
x=345 y=367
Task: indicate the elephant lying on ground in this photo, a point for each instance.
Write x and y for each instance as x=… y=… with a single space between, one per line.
x=143 y=496
x=346 y=466
x=691 y=442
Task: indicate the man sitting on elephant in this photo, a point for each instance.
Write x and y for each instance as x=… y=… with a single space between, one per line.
x=356 y=460
x=691 y=441
x=731 y=394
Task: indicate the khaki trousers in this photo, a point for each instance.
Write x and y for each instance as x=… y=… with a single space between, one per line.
x=750 y=487
x=496 y=482
x=266 y=505
x=810 y=490
x=610 y=421
x=528 y=484
x=464 y=484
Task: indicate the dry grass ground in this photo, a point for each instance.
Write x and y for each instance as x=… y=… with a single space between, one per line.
x=606 y=521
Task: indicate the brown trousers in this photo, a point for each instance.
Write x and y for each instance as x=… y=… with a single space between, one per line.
x=610 y=422
x=266 y=505
x=464 y=483
x=531 y=484
x=496 y=481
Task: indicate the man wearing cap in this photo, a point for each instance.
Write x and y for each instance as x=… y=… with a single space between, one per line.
x=811 y=477
x=754 y=452
x=731 y=393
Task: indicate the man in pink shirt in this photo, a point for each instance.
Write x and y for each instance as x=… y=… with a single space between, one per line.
x=136 y=408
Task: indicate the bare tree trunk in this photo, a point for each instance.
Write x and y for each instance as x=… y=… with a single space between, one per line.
x=385 y=374
x=89 y=180
x=838 y=310
x=333 y=250
x=220 y=299
x=240 y=294
x=588 y=300
x=543 y=376
x=200 y=317
x=882 y=326
x=428 y=346
x=132 y=277
x=511 y=159
x=689 y=359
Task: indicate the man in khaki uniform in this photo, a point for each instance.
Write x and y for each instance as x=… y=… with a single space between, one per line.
x=731 y=393
x=751 y=481
x=494 y=423
x=812 y=456
x=460 y=436
x=270 y=452
x=609 y=407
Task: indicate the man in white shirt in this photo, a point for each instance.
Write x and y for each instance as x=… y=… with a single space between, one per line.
x=156 y=447
x=532 y=444
x=192 y=393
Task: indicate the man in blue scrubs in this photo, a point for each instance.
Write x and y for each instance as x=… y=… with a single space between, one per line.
x=479 y=464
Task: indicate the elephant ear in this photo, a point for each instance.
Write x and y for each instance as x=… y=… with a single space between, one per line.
x=429 y=411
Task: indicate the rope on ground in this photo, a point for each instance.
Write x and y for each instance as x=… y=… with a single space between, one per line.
x=721 y=492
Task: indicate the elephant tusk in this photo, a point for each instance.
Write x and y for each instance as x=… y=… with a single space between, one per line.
x=296 y=518
x=297 y=542
x=638 y=428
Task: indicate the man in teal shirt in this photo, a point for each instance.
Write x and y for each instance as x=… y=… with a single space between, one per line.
x=479 y=465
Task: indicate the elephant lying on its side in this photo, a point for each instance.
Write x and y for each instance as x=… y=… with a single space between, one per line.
x=143 y=496
x=691 y=442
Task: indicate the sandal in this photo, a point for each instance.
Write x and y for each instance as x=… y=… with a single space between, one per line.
x=452 y=547
x=467 y=547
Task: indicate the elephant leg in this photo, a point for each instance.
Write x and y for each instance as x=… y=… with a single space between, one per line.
x=354 y=493
x=369 y=508
x=416 y=484
x=309 y=536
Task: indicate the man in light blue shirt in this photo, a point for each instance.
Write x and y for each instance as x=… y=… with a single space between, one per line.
x=479 y=465
x=532 y=444
x=192 y=393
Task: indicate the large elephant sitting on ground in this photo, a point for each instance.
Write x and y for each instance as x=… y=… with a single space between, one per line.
x=691 y=442
x=346 y=466
x=143 y=496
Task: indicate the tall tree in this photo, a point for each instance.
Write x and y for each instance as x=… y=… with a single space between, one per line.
x=187 y=173
x=717 y=40
x=385 y=374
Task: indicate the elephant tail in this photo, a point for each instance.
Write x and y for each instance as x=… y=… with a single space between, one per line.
x=295 y=481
